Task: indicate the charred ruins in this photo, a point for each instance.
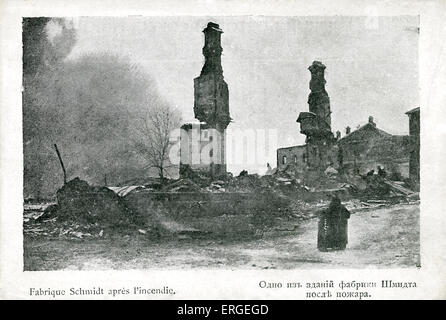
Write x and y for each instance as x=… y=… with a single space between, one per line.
x=211 y=109
x=206 y=199
x=356 y=153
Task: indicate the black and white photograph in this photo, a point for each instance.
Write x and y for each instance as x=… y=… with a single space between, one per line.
x=222 y=149
x=227 y=142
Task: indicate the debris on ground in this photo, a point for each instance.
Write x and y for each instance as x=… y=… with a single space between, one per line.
x=398 y=187
x=331 y=171
x=379 y=187
x=36 y=211
x=182 y=185
x=123 y=191
x=79 y=201
x=216 y=186
x=83 y=211
x=173 y=227
x=65 y=229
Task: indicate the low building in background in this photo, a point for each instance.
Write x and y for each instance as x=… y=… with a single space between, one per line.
x=292 y=156
x=358 y=152
x=368 y=147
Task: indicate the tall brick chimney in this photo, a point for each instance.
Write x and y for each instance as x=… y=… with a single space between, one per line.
x=211 y=108
x=211 y=103
x=316 y=124
x=318 y=100
x=212 y=49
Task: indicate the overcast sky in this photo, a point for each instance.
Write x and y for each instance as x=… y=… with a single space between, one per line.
x=372 y=65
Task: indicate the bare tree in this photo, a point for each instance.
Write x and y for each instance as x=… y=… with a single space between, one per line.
x=152 y=138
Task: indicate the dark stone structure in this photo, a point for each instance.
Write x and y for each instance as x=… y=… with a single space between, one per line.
x=358 y=152
x=368 y=147
x=316 y=124
x=414 y=132
x=294 y=156
x=211 y=108
x=211 y=93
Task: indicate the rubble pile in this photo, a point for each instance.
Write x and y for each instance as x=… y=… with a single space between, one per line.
x=182 y=185
x=65 y=229
x=217 y=186
x=275 y=183
x=124 y=191
x=32 y=212
x=148 y=183
x=378 y=187
x=81 y=211
x=302 y=210
x=38 y=222
x=79 y=201
x=247 y=183
x=369 y=186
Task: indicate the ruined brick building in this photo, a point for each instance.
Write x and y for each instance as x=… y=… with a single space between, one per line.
x=368 y=147
x=316 y=124
x=203 y=144
x=359 y=151
x=414 y=132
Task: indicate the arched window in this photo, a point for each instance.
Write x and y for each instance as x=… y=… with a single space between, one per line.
x=284 y=160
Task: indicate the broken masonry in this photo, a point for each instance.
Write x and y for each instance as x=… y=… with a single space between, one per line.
x=203 y=144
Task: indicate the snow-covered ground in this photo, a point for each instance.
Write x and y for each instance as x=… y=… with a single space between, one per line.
x=382 y=237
